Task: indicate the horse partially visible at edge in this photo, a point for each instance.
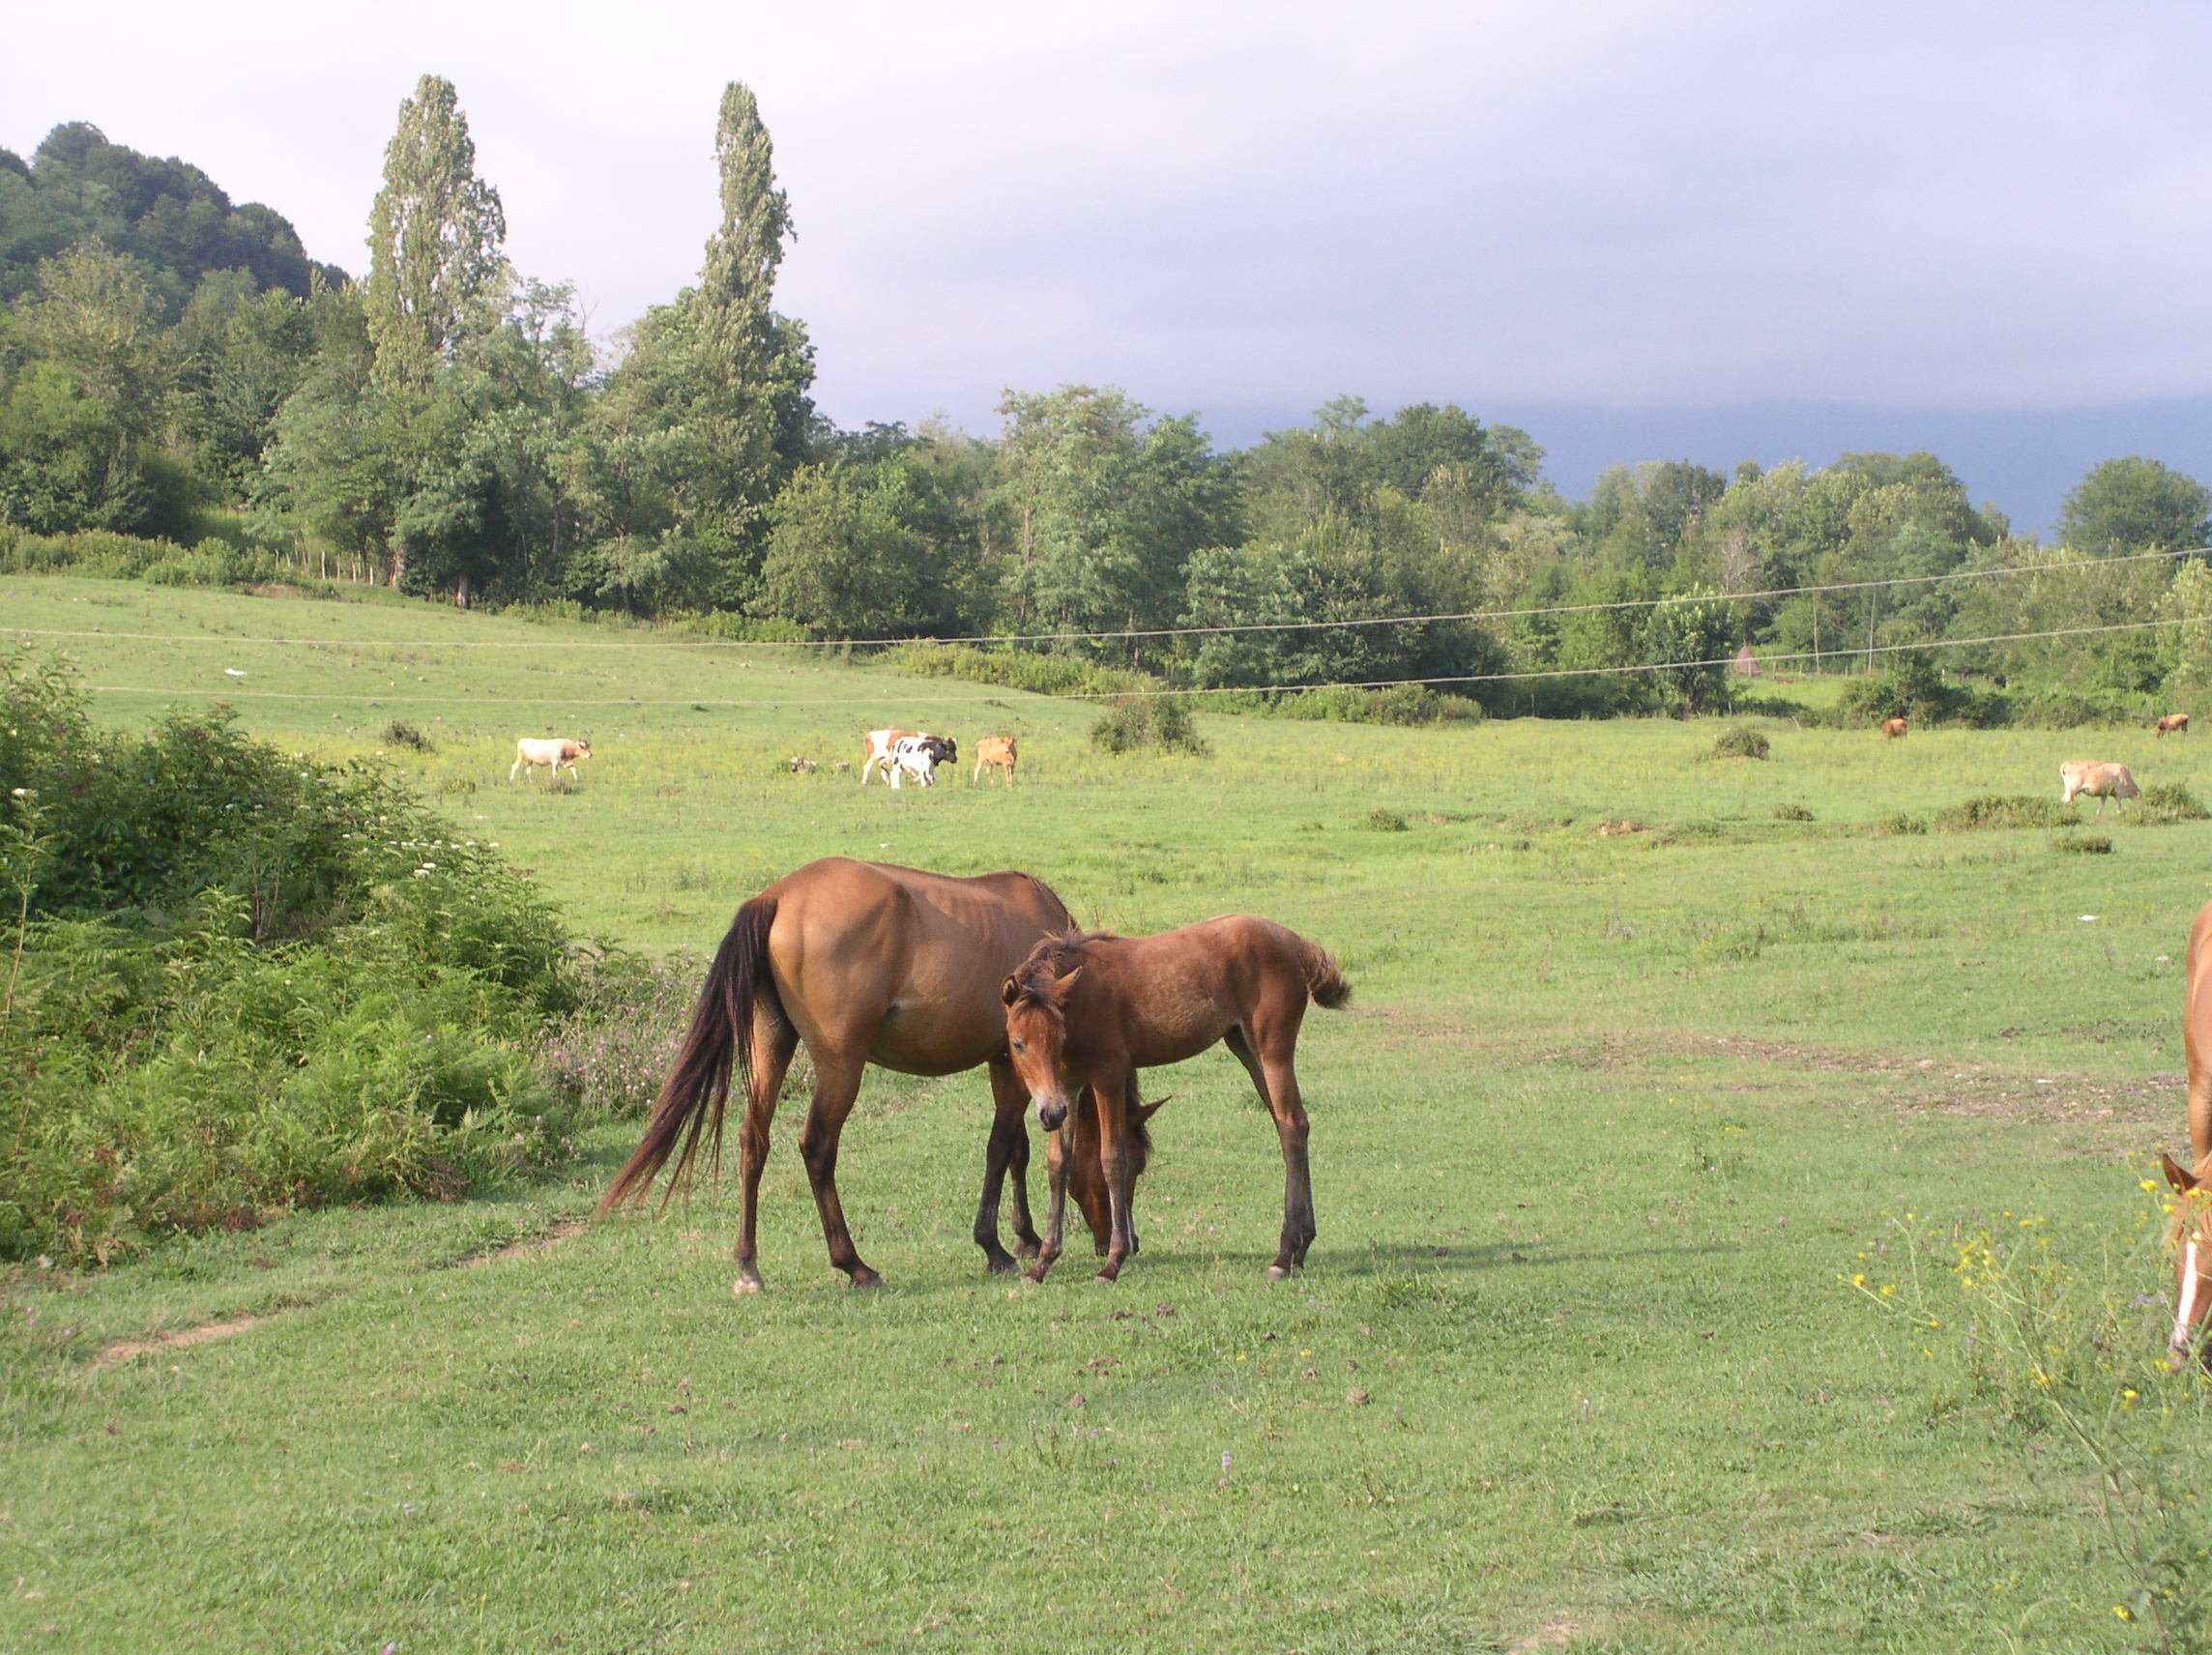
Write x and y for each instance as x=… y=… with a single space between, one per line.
x=2192 y=1233
x=866 y=962
x=1085 y=1012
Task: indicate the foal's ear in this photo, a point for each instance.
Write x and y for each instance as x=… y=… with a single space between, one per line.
x=2175 y=1174
x=1010 y=991
x=1063 y=986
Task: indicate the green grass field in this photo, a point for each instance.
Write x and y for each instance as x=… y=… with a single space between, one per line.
x=1574 y=1365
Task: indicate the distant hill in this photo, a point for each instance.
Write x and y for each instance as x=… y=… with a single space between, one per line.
x=167 y=216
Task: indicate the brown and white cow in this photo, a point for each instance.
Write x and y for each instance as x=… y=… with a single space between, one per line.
x=552 y=751
x=2172 y=724
x=995 y=751
x=2099 y=781
x=1892 y=729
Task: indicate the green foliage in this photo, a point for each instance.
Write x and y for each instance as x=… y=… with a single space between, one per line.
x=400 y=733
x=1382 y=821
x=244 y=980
x=1901 y=821
x=2136 y=505
x=1403 y=704
x=1740 y=742
x=1136 y=722
x=2166 y=801
x=2081 y=845
x=1791 y=812
x=1035 y=671
x=2005 y=811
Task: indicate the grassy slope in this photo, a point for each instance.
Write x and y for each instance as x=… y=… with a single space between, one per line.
x=1605 y=1389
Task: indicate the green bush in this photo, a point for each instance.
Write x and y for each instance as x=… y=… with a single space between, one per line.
x=1740 y=742
x=1032 y=669
x=1383 y=821
x=2005 y=811
x=2081 y=845
x=1901 y=821
x=1399 y=703
x=399 y=732
x=1139 y=721
x=1791 y=813
x=2166 y=801
x=246 y=982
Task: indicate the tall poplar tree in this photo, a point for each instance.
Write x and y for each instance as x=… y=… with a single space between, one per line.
x=435 y=238
x=709 y=414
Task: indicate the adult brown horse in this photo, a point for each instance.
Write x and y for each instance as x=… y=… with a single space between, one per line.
x=866 y=962
x=2192 y=1235
x=1088 y=1011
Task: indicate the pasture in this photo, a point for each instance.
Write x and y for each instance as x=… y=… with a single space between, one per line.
x=1644 y=1051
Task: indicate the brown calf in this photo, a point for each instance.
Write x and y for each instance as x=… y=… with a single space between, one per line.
x=2173 y=723
x=1892 y=729
x=997 y=751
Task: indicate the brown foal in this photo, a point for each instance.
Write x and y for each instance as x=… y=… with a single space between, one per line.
x=1088 y=1011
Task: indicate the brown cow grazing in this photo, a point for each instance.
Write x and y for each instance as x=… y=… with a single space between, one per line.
x=1892 y=729
x=552 y=752
x=2099 y=781
x=997 y=751
x=2172 y=724
x=2191 y=1234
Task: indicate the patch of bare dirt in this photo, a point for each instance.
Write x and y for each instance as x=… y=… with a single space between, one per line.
x=131 y=1350
x=525 y=1247
x=1557 y=1633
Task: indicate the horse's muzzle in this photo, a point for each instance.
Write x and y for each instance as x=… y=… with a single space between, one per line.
x=1051 y=1111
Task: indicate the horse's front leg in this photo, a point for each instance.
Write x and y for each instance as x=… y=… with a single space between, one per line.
x=1008 y=1152
x=1056 y=1150
x=1112 y=1096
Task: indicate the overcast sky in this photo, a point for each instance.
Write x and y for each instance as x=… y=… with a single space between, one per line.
x=1246 y=208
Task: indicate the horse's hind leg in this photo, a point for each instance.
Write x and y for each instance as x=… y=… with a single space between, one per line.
x=774 y=1040
x=836 y=1083
x=1277 y=1080
x=1008 y=1152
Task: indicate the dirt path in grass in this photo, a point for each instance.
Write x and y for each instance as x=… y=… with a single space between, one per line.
x=131 y=1350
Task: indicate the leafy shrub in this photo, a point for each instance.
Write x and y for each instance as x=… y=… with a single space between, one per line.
x=1740 y=742
x=2005 y=811
x=1139 y=721
x=1032 y=669
x=608 y=1056
x=1383 y=821
x=212 y=562
x=2081 y=845
x=2167 y=801
x=1399 y=703
x=1901 y=821
x=401 y=733
x=248 y=981
x=92 y=552
x=1791 y=813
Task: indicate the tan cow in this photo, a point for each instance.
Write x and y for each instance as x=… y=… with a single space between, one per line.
x=997 y=751
x=2172 y=724
x=1892 y=729
x=553 y=752
x=2099 y=781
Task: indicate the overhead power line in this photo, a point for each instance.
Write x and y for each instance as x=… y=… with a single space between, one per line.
x=1140 y=634
x=907 y=696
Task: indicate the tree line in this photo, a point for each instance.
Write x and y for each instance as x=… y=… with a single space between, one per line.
x=173 y=365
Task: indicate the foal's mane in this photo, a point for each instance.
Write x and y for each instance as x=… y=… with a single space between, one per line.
x=1048 y=961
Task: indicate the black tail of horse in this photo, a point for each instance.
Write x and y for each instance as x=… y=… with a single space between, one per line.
x=721 y=1039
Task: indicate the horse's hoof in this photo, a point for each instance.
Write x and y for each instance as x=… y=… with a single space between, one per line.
x=866 y=1278
x=1278 y=1272
x=745 y=1285
x=1000 y=1264
x=1035 y=1273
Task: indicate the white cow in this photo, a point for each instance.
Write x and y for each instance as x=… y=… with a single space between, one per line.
x=918 y=756
x=553 y=752
x=2100 y=781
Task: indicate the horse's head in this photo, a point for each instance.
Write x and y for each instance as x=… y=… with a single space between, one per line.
x=1036 y=1034
x=2191 y=1238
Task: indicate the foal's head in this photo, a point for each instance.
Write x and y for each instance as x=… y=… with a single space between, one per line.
x=1036 y=1033
x=2191 y=1238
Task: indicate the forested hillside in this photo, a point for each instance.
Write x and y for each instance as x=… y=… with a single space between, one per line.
x=174 y=369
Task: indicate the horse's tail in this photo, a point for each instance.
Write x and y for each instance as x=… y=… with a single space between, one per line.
x=698 y=1085
x=1323 y=980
